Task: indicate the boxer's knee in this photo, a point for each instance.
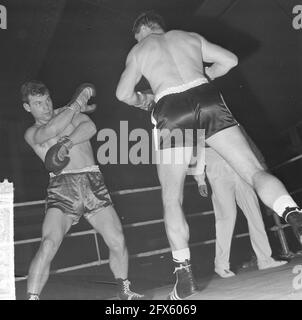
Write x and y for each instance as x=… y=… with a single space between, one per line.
x=259 y=177
x=171 y=196
x=171 y=202
x=252 y=174
x=116 y=242
x=49 y=247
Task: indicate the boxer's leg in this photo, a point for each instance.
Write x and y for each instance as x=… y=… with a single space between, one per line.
x=55 y=226
x=106 y=222
x=172 y=176
x=100 y=213
x=248 y=203
x=233 y=147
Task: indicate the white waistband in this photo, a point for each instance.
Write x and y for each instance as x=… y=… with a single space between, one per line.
x=93 y=168
x=181 y=88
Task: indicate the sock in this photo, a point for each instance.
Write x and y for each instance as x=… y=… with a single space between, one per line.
x=120 y=280
x=181 y=255
x=33 y=295
x=282 y=203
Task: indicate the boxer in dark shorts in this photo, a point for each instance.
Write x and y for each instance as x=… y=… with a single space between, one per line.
x=61 y=139
x=201 y=106
x=78 y=192
x=173 y=62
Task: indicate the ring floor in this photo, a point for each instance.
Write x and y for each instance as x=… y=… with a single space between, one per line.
x=154 y=277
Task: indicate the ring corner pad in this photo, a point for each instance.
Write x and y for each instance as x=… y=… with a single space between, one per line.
x=7 y=269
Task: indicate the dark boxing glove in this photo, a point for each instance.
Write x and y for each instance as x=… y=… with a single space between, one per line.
x=57 y=158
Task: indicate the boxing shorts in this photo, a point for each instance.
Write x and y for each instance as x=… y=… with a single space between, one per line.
x=187 y=108
x=78 y=193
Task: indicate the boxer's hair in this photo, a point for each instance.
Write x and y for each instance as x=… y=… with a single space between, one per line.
x=150 y=19
x=34 y=88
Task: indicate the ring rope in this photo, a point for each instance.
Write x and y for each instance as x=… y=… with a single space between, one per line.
x=146 y=189
x=142 y=254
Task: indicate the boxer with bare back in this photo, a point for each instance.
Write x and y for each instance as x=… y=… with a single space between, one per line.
x=185 y=98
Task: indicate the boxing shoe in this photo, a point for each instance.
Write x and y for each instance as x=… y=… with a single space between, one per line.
x=224 y=273
x=293 y=216
x=83 y=93
x=124 y=292
x=185 y=285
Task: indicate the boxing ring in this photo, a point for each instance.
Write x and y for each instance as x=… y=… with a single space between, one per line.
x=150 y=264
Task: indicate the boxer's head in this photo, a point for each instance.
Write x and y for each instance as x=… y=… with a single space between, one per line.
x=146 y=23
x=36 y=100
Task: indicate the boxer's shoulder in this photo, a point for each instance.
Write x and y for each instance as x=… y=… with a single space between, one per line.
x=133 y=53
x=30 y=132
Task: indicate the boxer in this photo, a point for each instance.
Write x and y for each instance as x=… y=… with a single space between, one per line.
x=61 y=139
x=173 y=63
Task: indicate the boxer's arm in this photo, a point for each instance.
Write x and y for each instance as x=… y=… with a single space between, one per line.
x=222 y=60
x=125 y=89
x=84 y=130
x=199 y=170
x=85 y=108
x=39 y=149
x=202 y=185
x=55 y=126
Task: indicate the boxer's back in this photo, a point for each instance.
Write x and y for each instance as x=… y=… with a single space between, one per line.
x=170 y=59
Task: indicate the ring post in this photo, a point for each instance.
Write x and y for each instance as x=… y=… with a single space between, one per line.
x=7 y=270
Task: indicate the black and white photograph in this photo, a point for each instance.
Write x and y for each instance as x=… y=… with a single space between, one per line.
x=151 y=150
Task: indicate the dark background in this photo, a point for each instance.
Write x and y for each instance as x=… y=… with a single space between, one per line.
x=67 y=42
